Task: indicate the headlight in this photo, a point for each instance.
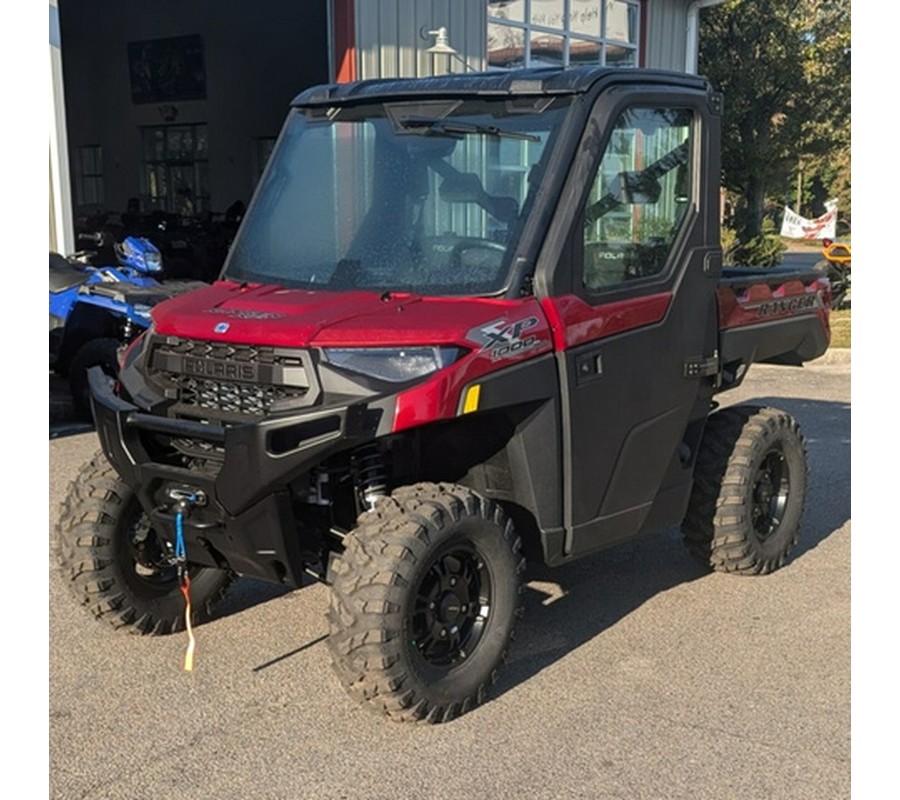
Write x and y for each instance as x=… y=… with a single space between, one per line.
x=153 y=262
x=143 y=311
x=392 y=364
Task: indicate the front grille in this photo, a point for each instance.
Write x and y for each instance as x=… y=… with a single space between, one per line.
x=229 y=382
x=236 y=398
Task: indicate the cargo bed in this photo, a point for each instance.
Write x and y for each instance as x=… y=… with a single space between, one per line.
x=776 y=315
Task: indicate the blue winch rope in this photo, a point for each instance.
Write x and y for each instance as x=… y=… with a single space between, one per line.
x=180 y=552
x=181 y=560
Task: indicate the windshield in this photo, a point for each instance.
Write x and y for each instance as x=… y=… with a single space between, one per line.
x=425 y=197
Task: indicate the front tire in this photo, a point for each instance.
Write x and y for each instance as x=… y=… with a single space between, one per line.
x=424 y=602
x=117 y=567
x=749 y=491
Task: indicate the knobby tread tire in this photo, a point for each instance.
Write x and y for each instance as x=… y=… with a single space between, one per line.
x=717 y=527
x=374 y=583
x=90 y=550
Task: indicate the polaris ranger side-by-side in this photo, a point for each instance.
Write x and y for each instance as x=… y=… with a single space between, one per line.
x=466 y=320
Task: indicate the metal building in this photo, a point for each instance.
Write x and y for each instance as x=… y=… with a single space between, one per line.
x=156 y=102
x=494 y=34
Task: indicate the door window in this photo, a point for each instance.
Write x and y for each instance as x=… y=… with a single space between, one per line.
x=639 y=197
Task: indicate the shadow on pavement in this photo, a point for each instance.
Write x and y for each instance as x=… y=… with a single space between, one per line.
x=567 y=606
x=570 y=605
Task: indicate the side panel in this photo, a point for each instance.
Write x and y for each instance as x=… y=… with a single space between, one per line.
x=775 y=316
x=629 y=407
x=504 y=442
x=633 y=355
x=534 y=451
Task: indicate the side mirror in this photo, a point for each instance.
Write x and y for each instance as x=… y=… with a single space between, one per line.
x=635 y=188
x=465 y=187
x=462 y=187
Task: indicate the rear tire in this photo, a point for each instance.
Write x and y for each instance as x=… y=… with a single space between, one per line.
x=749 y=491
x=102 y=353
x=115 y=565
x=424 y=602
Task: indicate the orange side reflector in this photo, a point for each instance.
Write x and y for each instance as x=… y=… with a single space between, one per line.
x=472 y=396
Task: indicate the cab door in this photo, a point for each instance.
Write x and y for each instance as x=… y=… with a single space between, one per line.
x=631 y=298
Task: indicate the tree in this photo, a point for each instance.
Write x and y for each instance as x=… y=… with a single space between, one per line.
x=784 y=69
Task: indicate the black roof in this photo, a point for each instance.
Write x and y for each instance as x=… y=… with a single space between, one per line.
x=548 y=81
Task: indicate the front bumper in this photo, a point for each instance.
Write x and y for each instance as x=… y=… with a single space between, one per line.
x=246 y=521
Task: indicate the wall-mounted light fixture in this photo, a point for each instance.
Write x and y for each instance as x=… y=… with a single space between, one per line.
x=441 y=44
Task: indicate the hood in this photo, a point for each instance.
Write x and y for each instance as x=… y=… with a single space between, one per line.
x=282 y=317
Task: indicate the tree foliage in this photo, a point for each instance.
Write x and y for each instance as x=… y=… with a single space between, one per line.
x=784 y=69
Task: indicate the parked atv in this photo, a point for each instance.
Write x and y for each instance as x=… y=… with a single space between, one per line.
x=94 y=311
x=836 y=264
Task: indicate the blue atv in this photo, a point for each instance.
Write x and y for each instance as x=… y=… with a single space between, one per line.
x=96 y=311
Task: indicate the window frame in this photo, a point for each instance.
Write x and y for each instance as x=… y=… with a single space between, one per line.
x=607 y=107
x=692 y=179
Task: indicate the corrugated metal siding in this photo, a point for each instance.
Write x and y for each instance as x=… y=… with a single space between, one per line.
x=666 y=34
x=389 y=45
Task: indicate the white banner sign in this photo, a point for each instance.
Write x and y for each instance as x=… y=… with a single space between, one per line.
x=796 y=227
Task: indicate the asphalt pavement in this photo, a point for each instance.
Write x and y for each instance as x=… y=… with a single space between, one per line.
x=635 y=674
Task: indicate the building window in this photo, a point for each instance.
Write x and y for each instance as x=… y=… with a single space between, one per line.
x=89 y=176
x=536 y=33
x=176 y=169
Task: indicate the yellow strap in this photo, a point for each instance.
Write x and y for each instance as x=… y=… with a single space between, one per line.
x=189 y=654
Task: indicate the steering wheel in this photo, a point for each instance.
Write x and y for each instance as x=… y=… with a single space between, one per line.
x=494 y=253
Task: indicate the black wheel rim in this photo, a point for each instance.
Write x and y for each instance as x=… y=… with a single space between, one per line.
x=451 y=607
x=771 y=489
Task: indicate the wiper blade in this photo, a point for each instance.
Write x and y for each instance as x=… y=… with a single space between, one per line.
x=460 y=129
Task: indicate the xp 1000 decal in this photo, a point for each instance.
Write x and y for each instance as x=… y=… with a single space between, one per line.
x=503 y=339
